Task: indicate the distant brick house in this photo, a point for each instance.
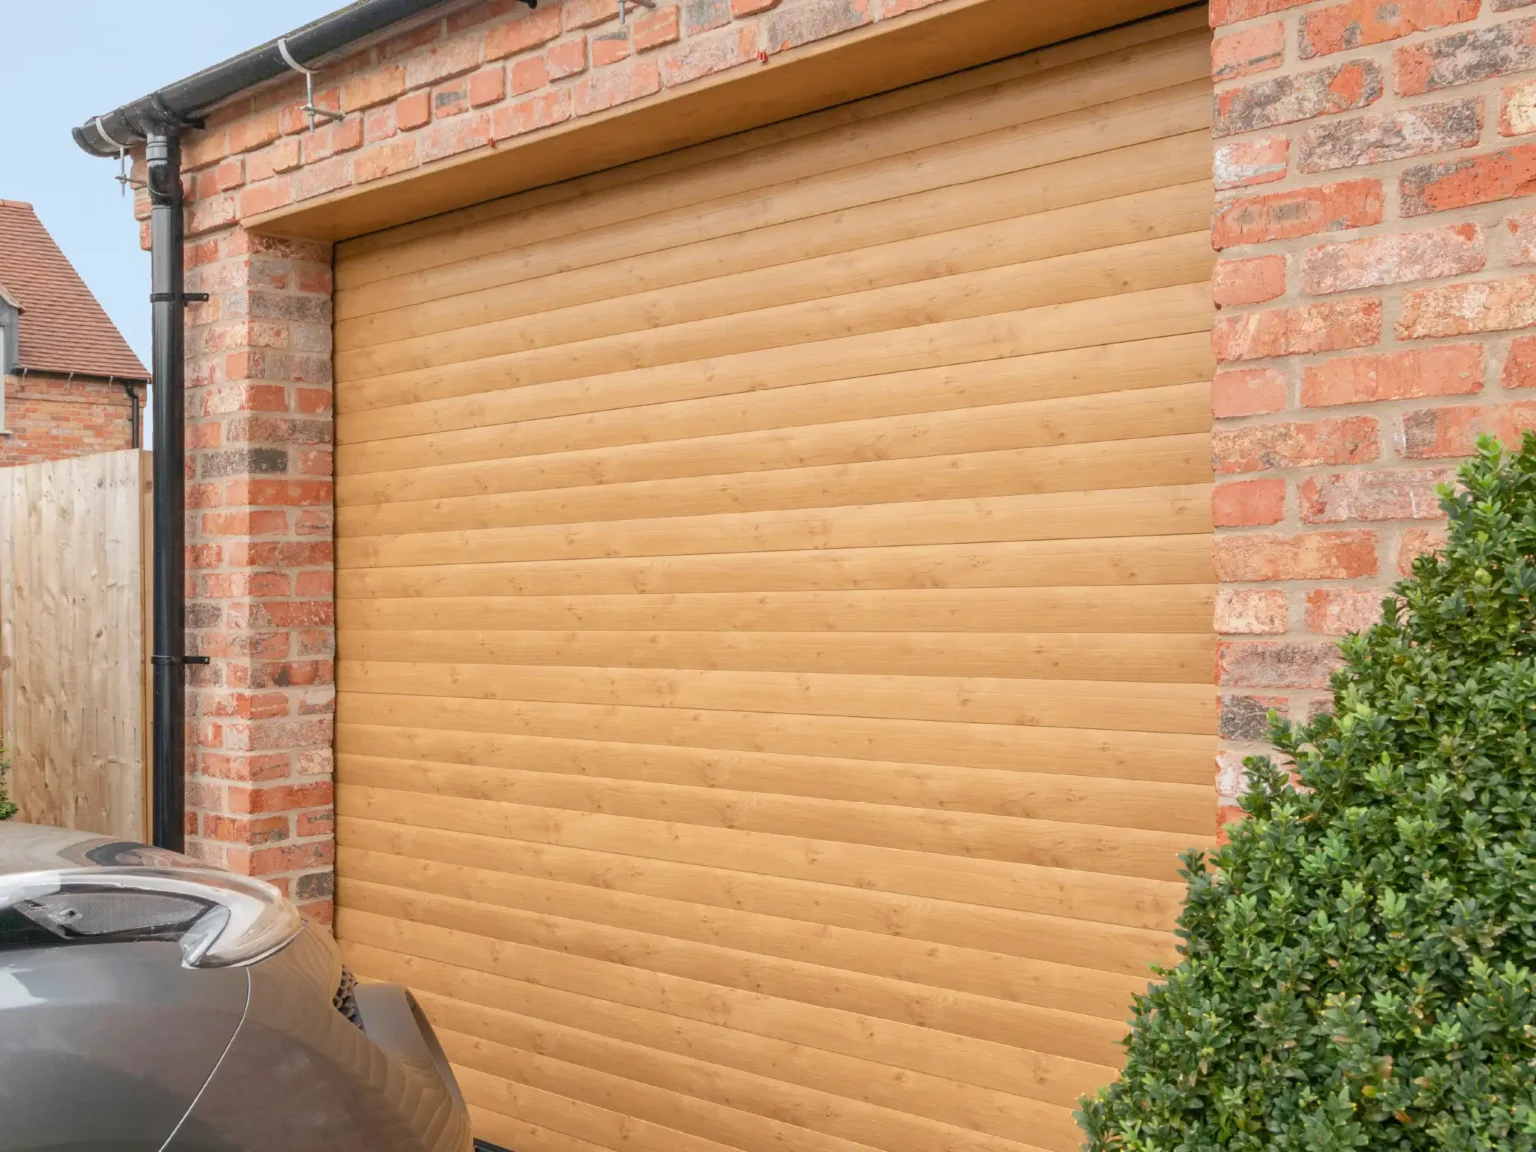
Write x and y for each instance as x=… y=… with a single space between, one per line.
x=72 y=384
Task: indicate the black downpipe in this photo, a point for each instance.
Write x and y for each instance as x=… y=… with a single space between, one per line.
x=168 y=765
x=133 y=413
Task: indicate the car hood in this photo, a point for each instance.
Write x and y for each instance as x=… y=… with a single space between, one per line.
x=38 y=848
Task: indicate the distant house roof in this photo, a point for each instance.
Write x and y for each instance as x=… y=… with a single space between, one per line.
x=63 y=328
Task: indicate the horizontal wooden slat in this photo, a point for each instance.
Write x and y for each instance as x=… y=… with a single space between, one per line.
x=811 y=1111
x=1101 y=947
x=1003 y=1067
x=1152 y=805
x=1176 y=558
x=1129 y=901
x=1047 y=843
x=1094 y=705
x=688 y=1111
x=563 y=418
x=1049 y=1031
x=1123 y=41
x=1040 y=120
x=1169 y=510
x=881 y=1085
x=1150 y=609
x=1159 y=309
x=1076 y=656
x=714 y=278
x=1178 y=409
x=568 y=1117
x=971 y=971
x=1163 y=460
x=1170 y=758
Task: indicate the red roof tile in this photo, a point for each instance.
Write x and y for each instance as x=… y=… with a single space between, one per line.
x=63 y=328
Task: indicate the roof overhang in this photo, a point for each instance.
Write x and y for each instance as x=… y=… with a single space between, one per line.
x=877 y=58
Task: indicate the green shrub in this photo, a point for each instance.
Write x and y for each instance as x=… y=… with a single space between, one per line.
x=1357 y=960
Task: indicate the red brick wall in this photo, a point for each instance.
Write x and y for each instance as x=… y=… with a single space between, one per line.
x=52 y=417
x=259 y=433
x=1370 y=163
x=482 y=74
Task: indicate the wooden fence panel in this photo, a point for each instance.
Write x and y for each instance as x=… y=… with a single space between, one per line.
x=73 y=582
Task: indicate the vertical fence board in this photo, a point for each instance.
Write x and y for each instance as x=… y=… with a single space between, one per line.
x=72 y=616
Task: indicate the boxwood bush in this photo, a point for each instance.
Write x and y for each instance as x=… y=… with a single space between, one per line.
x=1357 y=960
x=7 y=808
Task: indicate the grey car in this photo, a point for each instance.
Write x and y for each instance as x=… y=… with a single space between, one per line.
x=148 y=1002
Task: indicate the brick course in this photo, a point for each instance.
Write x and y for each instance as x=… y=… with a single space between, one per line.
x=1394 y=192
x=53 y=417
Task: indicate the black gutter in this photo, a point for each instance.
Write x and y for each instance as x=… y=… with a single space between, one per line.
x=156 y=121
x=177 y=103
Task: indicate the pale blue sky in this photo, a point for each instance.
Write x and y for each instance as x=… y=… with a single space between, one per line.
x=64 y=61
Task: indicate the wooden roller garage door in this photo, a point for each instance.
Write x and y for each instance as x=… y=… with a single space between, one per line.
x=775 y=607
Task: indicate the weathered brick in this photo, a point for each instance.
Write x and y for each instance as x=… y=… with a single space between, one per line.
x=1311 y=556
x=1393 y=258
x=1237 y=282
x=1340 y=497
x=529 y=75
x=1243 y=503
x=531 y=113
x=657 y=29
x=450 y=58
x=1243 y=163
x=1513 y=421
x=380 y=86
x=413 y=111
x=611 y=47
x=1436 y=433
x=1418 y=542
x=1376 y=138
x=589 y=13
x=1247 y=392
x=528 y=29
x=1250 y=611
x=1517 y=109
x=1522 y=231
x=740 y=8
x=1470 y=180
x=1276 y=663
x=1297 y=212
x=617 y=85
x=694 y=59
x=1460 y=309
x=1356 y=23
x=1465 y=57
x=1520 y=363
x=1339 y=611
x=452 y=137
x=1247 y=717
x=812 y=20
x=1447 y=370
x=1287 y=99
x=1326 y=327
x=568 y=58
x=1262 y=447
x=705 y=15
x=384 y=160
x=1242 y=53
x=450 y=99
x=1231 y=11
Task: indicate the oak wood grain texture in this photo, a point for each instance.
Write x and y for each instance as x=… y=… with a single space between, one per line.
x=72 y=626
x=774 y=600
